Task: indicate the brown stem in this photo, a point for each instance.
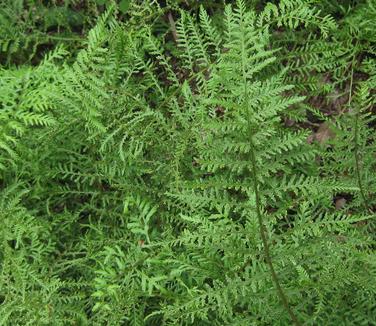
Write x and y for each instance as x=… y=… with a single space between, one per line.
x=173 y=27
x=356 y=144
x=264 y=238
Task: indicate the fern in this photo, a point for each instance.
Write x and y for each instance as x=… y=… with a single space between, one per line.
x=179 y=165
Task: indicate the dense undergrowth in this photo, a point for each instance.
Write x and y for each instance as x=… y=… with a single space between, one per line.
x=171 y=163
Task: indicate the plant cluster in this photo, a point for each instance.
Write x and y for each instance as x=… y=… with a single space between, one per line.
x=174 y=164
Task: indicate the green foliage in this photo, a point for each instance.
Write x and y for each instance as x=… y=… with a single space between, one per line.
x=178 y=165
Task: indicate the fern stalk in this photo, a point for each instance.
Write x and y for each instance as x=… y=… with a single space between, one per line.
x=262 y=228
x=356 y=143
x=263 y=231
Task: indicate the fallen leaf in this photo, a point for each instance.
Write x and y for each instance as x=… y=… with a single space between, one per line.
x=141 y=243
x=340 y=203
x=289 y=122
x=310 y=139
x=324 y=133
